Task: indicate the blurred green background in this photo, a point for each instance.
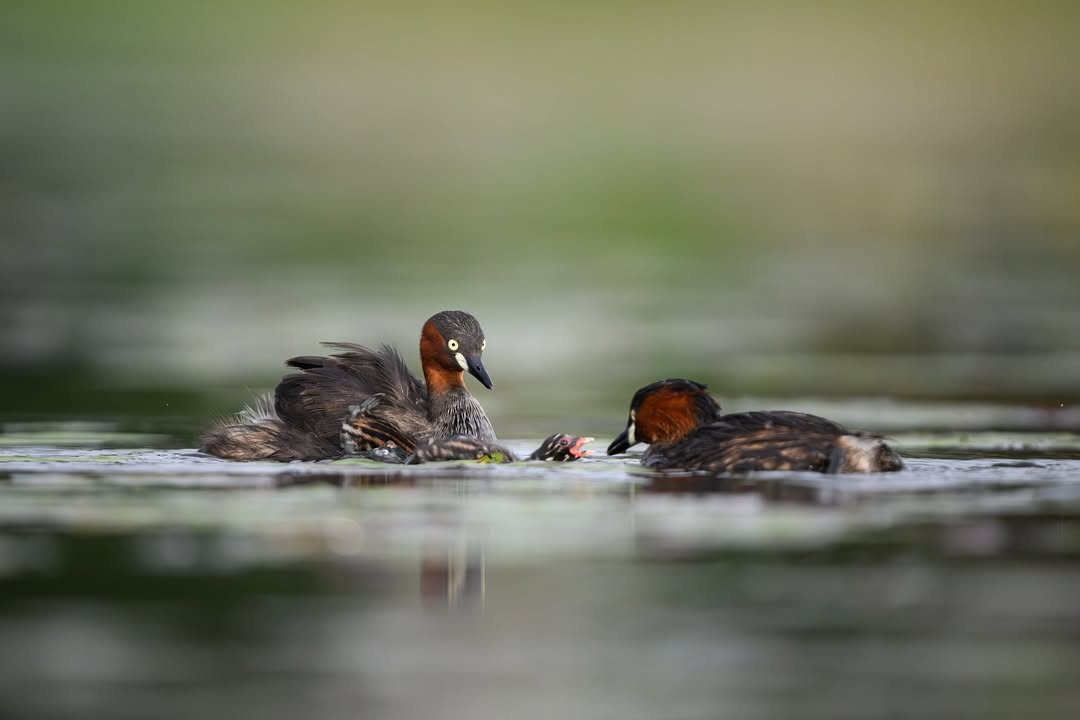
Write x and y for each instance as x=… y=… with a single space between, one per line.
x=824 y=199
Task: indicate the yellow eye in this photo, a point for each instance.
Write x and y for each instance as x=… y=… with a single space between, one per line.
x=483 y=345
x=453 y=345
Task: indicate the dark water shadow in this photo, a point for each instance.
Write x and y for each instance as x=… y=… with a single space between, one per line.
x=774 y=489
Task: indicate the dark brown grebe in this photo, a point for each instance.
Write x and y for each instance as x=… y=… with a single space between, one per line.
x=685 y=429
x=366 y=398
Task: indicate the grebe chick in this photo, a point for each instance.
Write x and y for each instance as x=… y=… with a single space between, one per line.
x=559 y=447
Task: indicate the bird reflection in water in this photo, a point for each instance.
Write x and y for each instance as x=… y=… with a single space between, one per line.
x=772 y=489
x=452 y=576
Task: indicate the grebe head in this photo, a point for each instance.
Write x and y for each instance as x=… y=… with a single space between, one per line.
x=665 y=411
x=561 y=447
x=452 y=341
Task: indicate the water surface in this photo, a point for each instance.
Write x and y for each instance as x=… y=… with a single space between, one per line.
x=160 y=582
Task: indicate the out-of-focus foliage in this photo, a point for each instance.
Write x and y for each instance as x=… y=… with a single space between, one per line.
x=829 y=198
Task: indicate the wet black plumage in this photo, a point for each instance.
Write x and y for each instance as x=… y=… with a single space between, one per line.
x=256 y=433
x=321 y=395
x=365 y=426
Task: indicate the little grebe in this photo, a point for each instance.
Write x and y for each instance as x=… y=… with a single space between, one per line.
x=311 y=411
x=685 y=429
